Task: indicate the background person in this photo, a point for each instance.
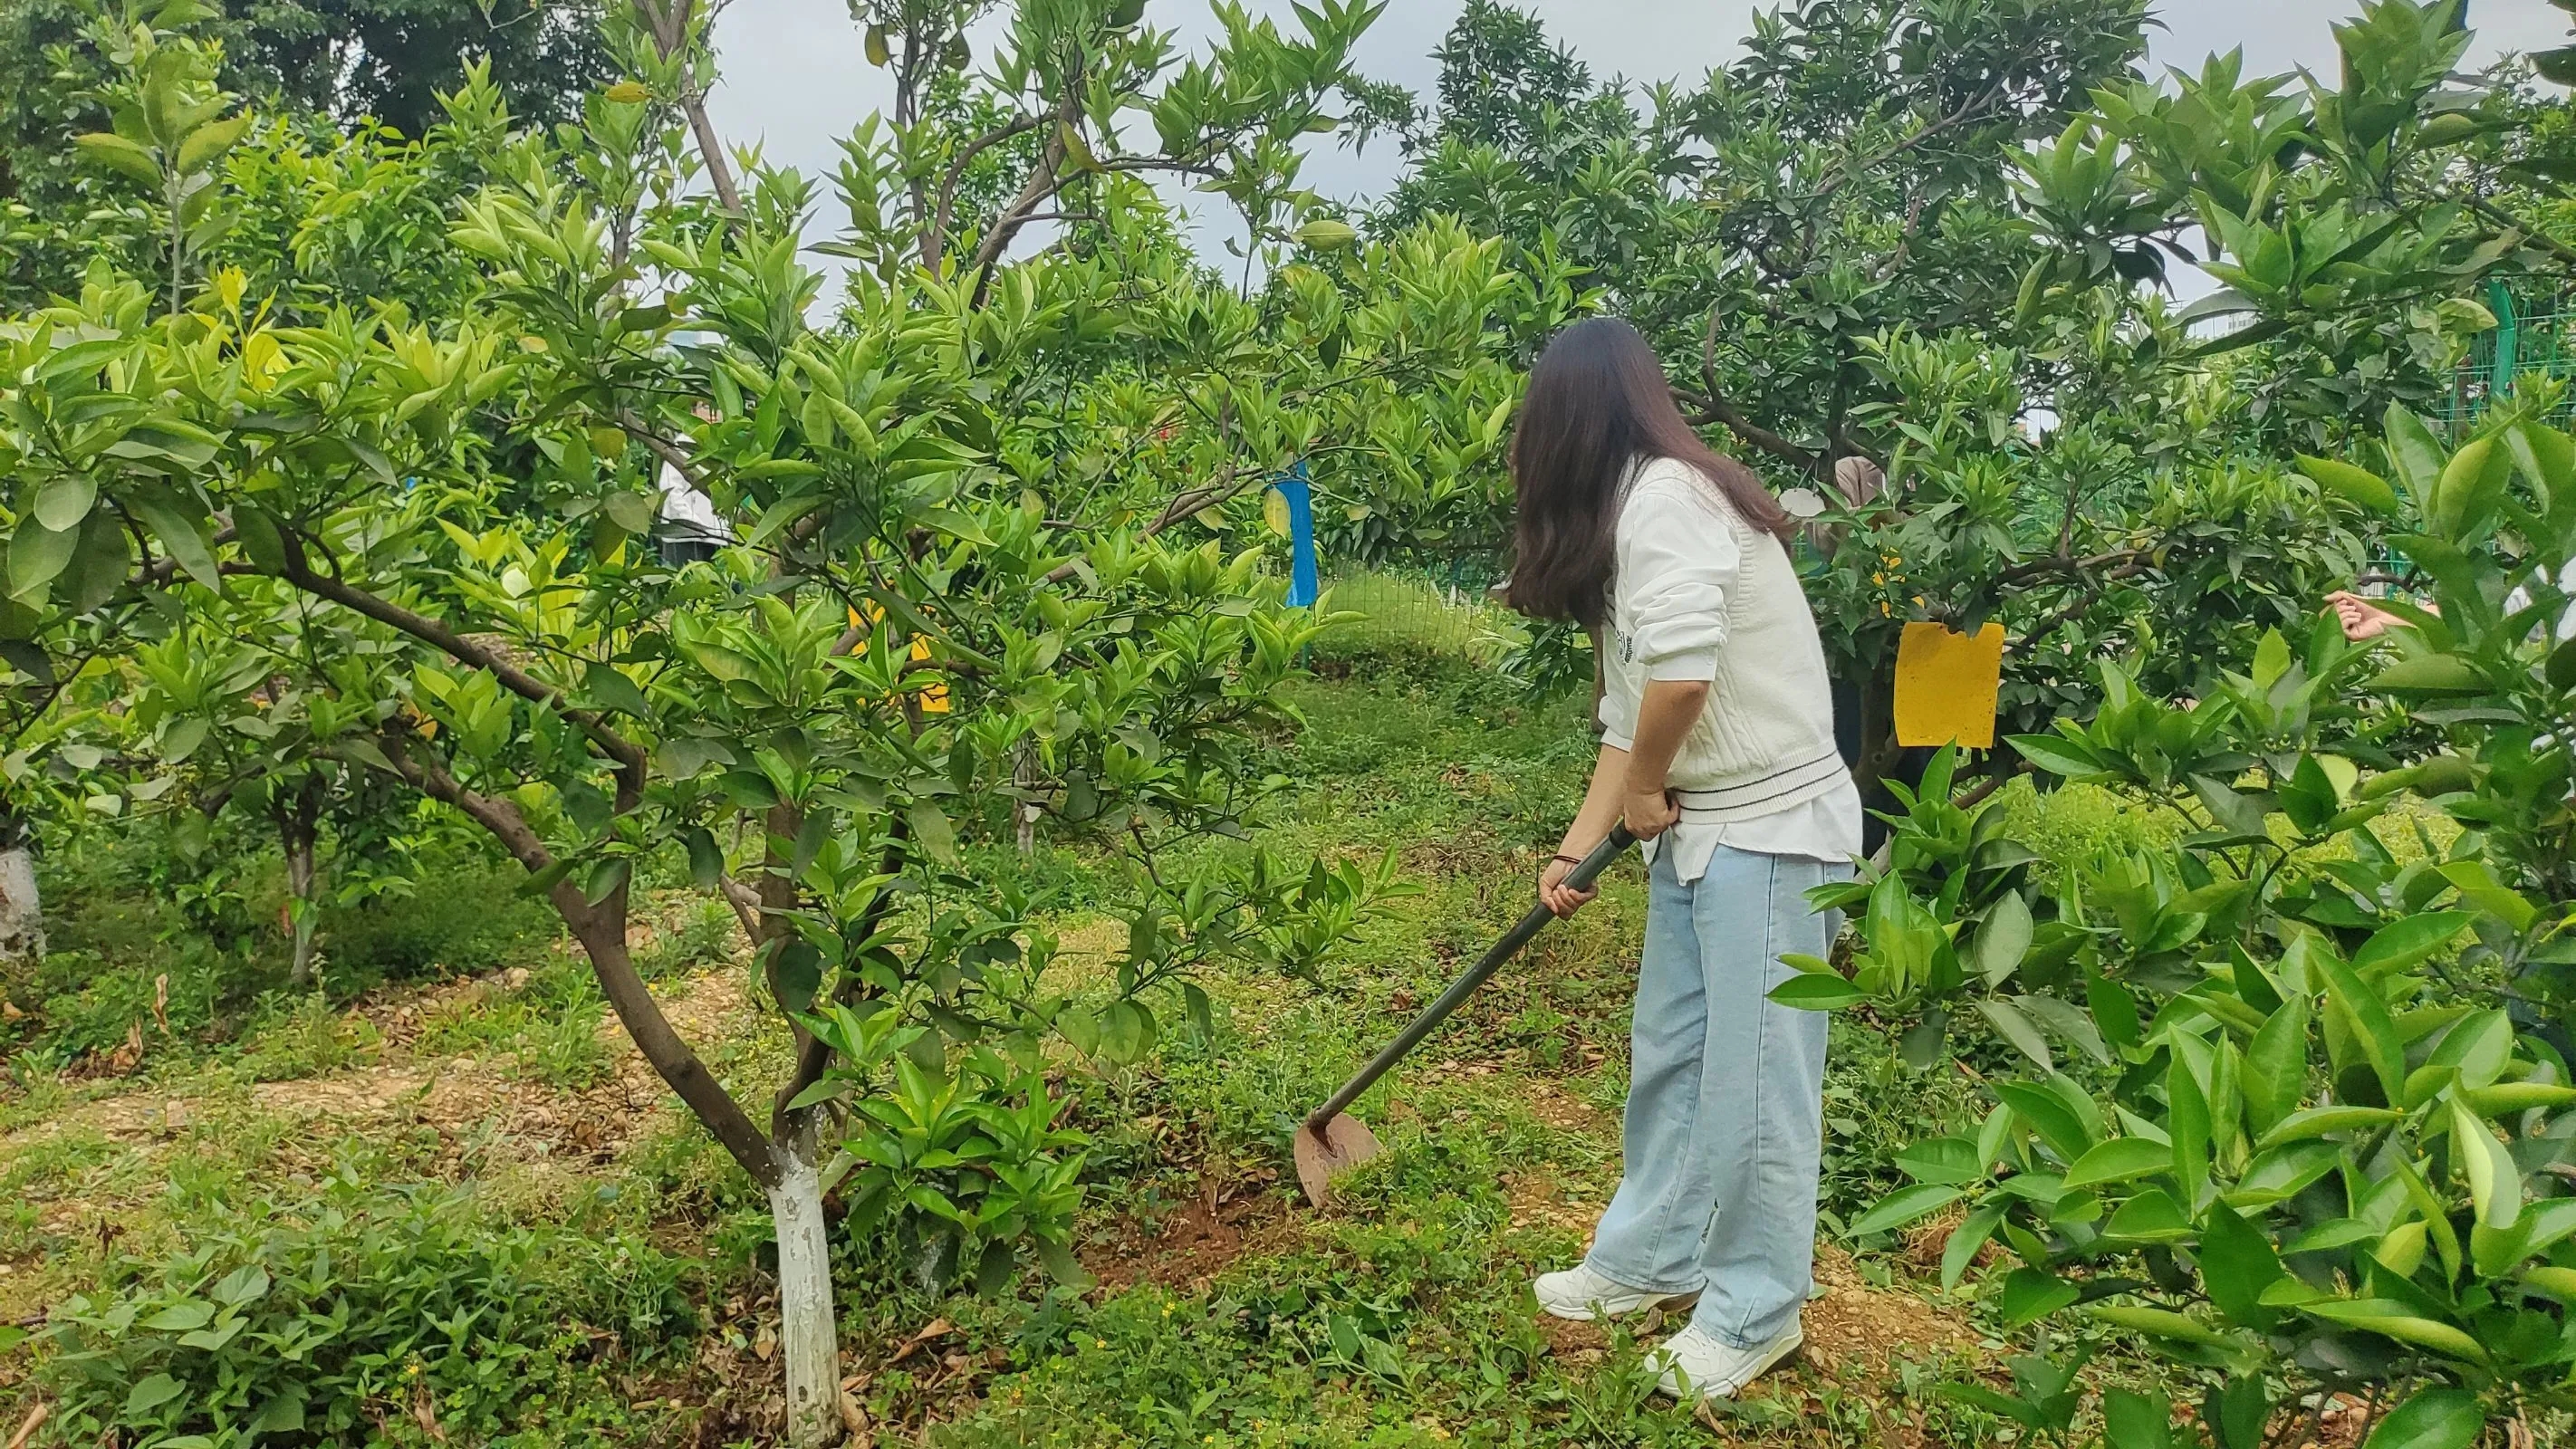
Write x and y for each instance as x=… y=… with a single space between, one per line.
x=1718 y=750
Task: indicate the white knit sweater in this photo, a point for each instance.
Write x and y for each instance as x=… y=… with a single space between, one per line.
x=1698 y=593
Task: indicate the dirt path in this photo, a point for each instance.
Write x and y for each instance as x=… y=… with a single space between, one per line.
x=449 y=1090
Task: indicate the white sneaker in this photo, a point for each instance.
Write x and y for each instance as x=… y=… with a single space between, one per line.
x=1582 y=1295
x=1697 y=1366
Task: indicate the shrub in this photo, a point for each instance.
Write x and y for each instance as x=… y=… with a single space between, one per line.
x=464 y=920
x=306 y=1322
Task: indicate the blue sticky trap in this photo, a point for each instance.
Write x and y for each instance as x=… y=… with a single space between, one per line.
x=1294 y=487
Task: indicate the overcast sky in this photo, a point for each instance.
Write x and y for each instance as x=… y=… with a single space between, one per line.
x=795 y=80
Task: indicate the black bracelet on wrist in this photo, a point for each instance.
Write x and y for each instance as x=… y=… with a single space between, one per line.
x=1569 y=859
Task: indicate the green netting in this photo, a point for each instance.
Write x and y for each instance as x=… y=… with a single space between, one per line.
x=2531 y=335
x=1439 y=606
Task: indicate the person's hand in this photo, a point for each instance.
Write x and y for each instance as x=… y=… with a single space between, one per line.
x=1555 y=894
x=2361 y=619
x=1651 y=813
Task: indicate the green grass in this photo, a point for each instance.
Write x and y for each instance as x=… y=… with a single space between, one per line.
x=1399 y=1318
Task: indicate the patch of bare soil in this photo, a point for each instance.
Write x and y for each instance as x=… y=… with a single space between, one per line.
x=1857 y=1323
x=1187 y=1248
x=1563 y=1110
x=454 y=1095
x=1853 y=1329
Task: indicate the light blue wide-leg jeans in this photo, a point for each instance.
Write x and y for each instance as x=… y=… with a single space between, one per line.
x=1725 y=1125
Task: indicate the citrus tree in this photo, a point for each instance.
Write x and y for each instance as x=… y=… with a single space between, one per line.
x=2292 y=1102
x=978 y=582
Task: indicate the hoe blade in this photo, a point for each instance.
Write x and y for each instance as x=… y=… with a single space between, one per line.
x=1323 y=1153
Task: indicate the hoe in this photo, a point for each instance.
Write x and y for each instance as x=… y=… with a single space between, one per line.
x=1331 y=1141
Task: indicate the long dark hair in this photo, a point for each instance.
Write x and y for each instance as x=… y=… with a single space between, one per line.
x=1598 y=405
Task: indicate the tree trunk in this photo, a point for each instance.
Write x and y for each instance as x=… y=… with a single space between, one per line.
x=297 y=828
x=22 y=913
x=809 y=1342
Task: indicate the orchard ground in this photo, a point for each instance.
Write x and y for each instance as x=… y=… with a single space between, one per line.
x=1221 y=1312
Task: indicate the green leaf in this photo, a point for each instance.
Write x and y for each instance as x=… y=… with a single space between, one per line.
x=37 y=554
x=2187 y=1122
x=2004 y=938
x=2408 y=943
x=2358 y=486
x=2284 y=1172
x=630 y=511
x=183 y=535
x=1967 y=1238
x=605 y=877
x=2159 y=1323
x=180 y=1318
x=2132 y=1420
x=930 y=830
x=607 y=685
x=211 y=140
x=1903 y=1206
x=2319 y=1121
x=151 y=1393
x=2429 y=674
x=2119 y=1160
x=2150 y=1217
x=2433 y=1419
x=282 y=1414
x=706 y=858
x=2053 y=1120
x=2237 y=1263
x=102 y=561
x=2418 y=456
x=1949 y=1160
x=64 y=501
x=263 y=541
x=2276 y=1064
x=2012 y=1026
x=2057 y=755
x=1060 y=1262
x=2392 y=1319
x=2031 y=1294
x=1808 y=991
x=953 y=523
x=2368 y=1014
x=2236 y=811
x=2494 y=1186
x=104 y=148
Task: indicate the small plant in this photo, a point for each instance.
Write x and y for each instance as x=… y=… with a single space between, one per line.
x=306 y=1322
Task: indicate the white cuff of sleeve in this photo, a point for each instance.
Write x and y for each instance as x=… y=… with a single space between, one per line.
x=1697 y=666
x=1616 y=740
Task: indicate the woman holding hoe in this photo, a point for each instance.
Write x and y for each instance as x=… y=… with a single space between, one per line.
x=1718 y=751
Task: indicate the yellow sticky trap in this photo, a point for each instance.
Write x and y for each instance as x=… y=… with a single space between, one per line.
x=1946 y=684
x=934 y=700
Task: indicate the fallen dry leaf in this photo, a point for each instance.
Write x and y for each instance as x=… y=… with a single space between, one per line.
x=936 y=1328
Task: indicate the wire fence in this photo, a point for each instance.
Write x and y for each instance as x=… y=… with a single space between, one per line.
x=1442 y=605
x=2532 y=335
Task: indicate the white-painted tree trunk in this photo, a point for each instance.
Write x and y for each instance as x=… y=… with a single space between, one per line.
x=300 y=878
x=22 y=914
x=808 y=1340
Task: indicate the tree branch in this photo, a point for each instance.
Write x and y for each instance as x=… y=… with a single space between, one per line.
x=2501 y=217
x=1045 y=180
x=661 y=447
x=601 y=929
x=668 y=20
x=630 y=757
x=934 y=244
x=1187 y=505
x=1716 y=409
